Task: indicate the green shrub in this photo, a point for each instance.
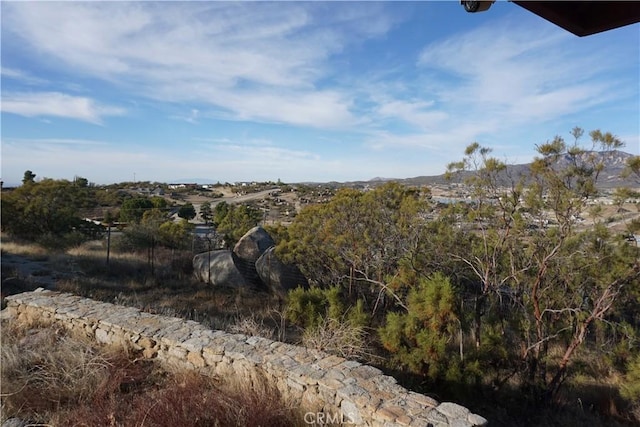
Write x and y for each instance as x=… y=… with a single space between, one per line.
x=631 y=388
x=328 y=324
x=309 y=308
x=419 y=337
x=306 y=307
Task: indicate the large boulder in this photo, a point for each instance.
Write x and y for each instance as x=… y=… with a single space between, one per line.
x=277 y=276
x=218 y=268
x=247 y=251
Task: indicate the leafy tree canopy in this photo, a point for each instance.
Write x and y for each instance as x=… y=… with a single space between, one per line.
x=133 y=209
x=234 y=221
x=47 y=208
x=187 y=211
x=29 y=177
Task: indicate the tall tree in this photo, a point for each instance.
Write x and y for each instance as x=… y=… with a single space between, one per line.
x=220 y=212
x=236 y=221
x=358 y=239
x=28 y=178
x=187 y=211
x=544 y=279
x=206 y=213
x=133 y=209
x=80 y=181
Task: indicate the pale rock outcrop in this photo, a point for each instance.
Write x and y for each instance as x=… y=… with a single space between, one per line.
x=218 y=268
x=277 y=276
x=247 y=251
x=252 y=263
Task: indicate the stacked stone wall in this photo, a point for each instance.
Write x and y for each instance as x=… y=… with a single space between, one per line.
x=327 y=386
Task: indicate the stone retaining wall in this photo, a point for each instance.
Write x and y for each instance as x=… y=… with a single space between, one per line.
x=338 y=389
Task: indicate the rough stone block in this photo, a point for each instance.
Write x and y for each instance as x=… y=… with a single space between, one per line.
x=453 y=410
x=349 y=364
x=211 y=359
x=477 y=420
x=386 y=414
x=102 y=336
x=366 y=372
x=196 y=359
x=146 y=342
x=327 y=394
x=438 y=419
x=295 y=385
x=351 y=412
x=459 y=423
x=404 y=420
x=177 y=352
x=423 y=400
x=149 y=353
x=351 y=391
x=329 y=362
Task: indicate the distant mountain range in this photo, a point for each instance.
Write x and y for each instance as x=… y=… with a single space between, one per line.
x=193 y=181
x=614 y=164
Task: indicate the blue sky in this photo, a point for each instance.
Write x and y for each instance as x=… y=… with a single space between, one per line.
x=297 y=91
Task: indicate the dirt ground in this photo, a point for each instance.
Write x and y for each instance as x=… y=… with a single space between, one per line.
x=36 y=273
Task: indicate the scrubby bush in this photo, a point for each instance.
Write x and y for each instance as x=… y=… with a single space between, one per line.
x=421 y=337
x=631 y=385
x=329 y=324
x=49 y=212
x=308 y=308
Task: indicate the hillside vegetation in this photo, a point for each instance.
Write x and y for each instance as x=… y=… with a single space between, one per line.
x=518 y=301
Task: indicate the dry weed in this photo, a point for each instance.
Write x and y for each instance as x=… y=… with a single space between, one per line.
x=52 y=378
x=30 y=250
x=44 y=368
x=252 y=326
x=340 y=338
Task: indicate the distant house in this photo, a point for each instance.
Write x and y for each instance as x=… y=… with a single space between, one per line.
x=182 y=186
x=143 y=190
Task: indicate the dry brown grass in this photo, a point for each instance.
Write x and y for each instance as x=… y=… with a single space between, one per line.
x=338 y=337
x=30 y=250
x=45 y=368
x=252 y=326
x=52 y=378
x=170 y=290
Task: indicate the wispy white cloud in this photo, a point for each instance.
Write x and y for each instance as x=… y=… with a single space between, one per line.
x=20 y=75
x=265 y=150
x=233 y=160
x=420 y=114
x=252 y=61
x=56 y=104
x=41 y=142
x=490 y=81
x=192 y=117
x=520 y=72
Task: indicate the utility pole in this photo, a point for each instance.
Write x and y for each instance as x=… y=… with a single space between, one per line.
x=108 y=241
x=109 y=221
x=209 y=259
